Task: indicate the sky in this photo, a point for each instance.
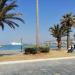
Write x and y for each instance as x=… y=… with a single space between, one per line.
x=50 y=13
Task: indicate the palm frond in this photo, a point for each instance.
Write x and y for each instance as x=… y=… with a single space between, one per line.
x=58 y=31
x=16 y=18
x=2 y=25
x=10 y=15
x=68 y=20
x=9 y=7
x=6 y=17
x=11 y=23
x=2 y=4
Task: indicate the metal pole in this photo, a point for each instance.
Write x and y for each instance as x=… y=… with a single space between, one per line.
x=74 y=36
x=74 y=40
x=21 y=44
x=37 y=25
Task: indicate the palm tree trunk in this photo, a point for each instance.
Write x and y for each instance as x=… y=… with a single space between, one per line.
x=59 y=44
x=68 y=39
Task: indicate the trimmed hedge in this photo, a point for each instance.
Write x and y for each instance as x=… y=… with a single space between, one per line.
x=44 y=49
x=33 y=50
x=30 y=51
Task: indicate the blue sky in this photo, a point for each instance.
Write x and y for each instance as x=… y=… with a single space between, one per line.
x=50 y=12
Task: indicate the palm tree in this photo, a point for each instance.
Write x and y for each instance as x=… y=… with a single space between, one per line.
x=68 y=21
x=7 y=17
x=58 y=31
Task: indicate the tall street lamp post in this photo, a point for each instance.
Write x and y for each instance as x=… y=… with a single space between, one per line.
x=37 y=25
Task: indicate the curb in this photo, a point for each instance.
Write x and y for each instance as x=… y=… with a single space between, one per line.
x=35 y=60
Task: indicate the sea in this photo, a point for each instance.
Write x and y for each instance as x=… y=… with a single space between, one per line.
x=13 y=47
x=21 y=47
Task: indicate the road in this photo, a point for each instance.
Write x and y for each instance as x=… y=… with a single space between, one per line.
x=50 y=67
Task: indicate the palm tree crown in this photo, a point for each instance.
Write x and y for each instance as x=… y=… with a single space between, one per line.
x=6 y=16
x=58 y=31
x=67 y=22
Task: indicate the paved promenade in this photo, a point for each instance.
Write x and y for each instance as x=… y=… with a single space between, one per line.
x=49 y=67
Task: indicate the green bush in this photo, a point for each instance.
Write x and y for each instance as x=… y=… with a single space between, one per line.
x=30 y=51
x=44 y=49
x=33 y=50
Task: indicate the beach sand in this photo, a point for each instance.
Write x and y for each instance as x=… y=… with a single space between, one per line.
x=13 y=55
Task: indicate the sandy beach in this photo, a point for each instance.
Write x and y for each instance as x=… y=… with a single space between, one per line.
x=7 y=55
